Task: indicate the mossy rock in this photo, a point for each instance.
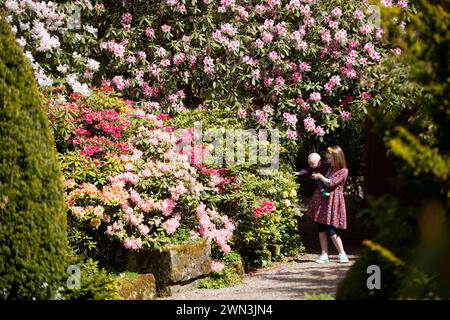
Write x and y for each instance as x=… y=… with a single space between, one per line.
x=174 y=264
x=33 y=241
x=238 y=267
x=142 y=287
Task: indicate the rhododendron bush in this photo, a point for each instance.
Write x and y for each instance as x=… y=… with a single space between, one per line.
x=264 y=206
x=126 y=70
x=132 y=178
x=301 y=65
x=153 y=188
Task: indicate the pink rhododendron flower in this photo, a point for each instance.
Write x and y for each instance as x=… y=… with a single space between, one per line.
x=319 y=131
x=133 y=244
x=326 y=109
x=346 y=116
x=126 y=18
x=309 y=124
x=358 y=14
x=217 y=266
x=291 y=134
x=171 y=225
x=261 y=116
x=143 y=229
x=402 y=4
x=149 y=32
x=267 y=37
x=241 y=113
x=290 y=119
x=167 y=206
x=273 y=56
x=315 y=96
x=166 y=28
x=365 y=29
x=341 y=35
x=208 y=65
x=366 y=96
x=336 y=12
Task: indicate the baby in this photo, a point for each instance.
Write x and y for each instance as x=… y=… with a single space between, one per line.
x=315 y=166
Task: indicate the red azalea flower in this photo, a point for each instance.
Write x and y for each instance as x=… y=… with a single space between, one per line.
x=162 y=116
x=258 y=212
x=347 y=100
x=106 y=88
x=268 y=206
x=97 y=163
x=223 y=171
x=75 y=96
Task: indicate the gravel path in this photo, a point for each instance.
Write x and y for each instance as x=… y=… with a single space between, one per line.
x=282 y=281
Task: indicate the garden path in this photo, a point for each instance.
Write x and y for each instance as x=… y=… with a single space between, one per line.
x=282 y=281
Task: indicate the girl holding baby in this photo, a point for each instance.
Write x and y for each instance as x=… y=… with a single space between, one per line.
x=328 y=209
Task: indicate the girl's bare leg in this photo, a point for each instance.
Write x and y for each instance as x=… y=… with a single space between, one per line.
x=338 y=243
x=323 y=241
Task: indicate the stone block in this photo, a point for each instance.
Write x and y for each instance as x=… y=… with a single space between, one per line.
x=174 y=264
x=141 y=288
x=238 y=267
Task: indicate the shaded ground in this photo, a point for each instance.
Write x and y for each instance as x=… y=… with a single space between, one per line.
x=282 y=281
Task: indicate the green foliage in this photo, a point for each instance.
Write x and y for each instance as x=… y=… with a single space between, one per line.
x=424 y=159
x=255 y=236
x=95 y=284
x=209 y=119
x=231 y=257
x=33 y=242
x=226 y=278
x=181 y=236
x=318 y=296
x=82 y=169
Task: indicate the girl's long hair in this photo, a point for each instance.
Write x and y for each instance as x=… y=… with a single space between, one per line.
x=338 y=157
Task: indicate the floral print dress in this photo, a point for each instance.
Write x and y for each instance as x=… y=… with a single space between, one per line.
x=330 y=210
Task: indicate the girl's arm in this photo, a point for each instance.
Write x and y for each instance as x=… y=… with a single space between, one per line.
x=336 y=179
x=323 y=179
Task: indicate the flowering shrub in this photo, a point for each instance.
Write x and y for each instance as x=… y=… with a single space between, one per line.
x=56 y=48
x=303 y=66
x=266 y=208
x=142 y=188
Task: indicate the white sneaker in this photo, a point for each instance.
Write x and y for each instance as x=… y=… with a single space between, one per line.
x=343 y=258
x=323 y=258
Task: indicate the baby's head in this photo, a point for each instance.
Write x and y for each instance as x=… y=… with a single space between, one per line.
x=313 y=160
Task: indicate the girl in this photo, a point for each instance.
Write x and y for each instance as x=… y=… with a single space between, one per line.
x=329 y=212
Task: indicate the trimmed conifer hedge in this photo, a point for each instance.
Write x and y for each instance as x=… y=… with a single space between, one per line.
x=33 y=240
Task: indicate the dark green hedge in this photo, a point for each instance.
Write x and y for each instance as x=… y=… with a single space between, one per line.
x=33 y=241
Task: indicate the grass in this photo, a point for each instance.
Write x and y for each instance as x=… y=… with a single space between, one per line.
x=128 y=276
x=319 y=296
x=216 y=280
